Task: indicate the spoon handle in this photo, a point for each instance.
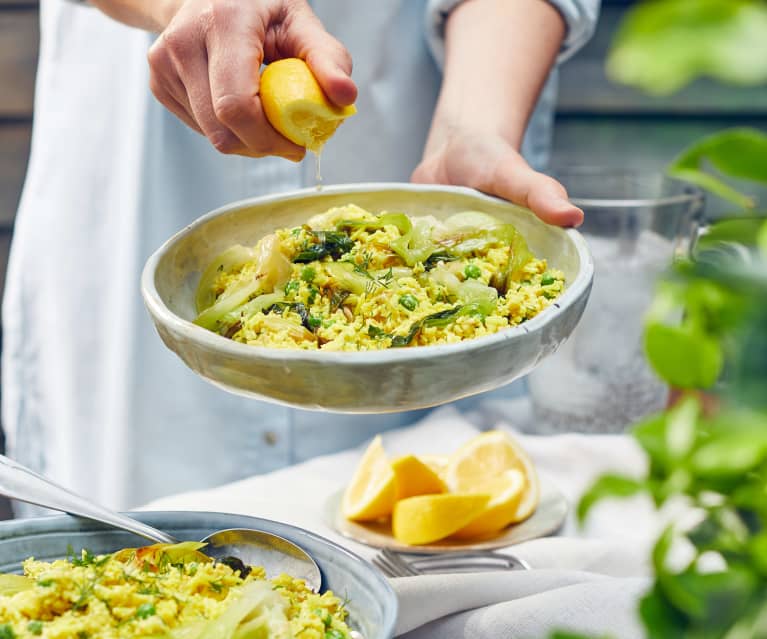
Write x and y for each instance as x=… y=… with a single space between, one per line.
x=19 y=482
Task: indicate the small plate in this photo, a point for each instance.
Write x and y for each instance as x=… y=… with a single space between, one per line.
x=546 y=520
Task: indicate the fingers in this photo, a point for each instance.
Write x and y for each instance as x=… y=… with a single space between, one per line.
x=208 y=78
x=543 y=195
x=179 y=78
x=234 y=59
x=175 y=101
x=328 y=59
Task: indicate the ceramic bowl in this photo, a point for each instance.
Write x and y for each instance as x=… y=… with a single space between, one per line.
x=358 y=382
x=372 y=603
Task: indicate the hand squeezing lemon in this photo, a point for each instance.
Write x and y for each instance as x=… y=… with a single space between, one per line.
x=483 y=487
x=296 y=106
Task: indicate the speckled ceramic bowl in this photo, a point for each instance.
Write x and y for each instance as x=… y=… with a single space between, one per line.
x=372 y=603
x=358 y=382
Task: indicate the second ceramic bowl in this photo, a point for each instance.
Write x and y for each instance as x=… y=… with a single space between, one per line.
x=358 y=382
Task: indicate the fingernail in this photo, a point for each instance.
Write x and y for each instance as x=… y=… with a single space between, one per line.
x=562 y=204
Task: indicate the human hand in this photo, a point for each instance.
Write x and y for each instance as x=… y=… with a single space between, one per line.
x=204 y=68
x=492 y=165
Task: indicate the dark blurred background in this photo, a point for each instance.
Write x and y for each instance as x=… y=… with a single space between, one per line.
x=597 y=123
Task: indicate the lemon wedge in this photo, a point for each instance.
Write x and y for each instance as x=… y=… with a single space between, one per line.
x=427 y=518
x=495 y=464
x=438 y=463
x=296 y=106
x=414 y=477
x=506 y=493
x=372 y=491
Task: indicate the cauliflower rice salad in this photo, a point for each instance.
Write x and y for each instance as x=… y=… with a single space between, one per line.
x=162 y=592
x=353 y=280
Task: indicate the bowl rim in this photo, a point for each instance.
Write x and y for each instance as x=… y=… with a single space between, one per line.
x=162 y=314
x=20 y=528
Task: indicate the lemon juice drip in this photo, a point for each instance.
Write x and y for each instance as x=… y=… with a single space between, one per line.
x=317 y=168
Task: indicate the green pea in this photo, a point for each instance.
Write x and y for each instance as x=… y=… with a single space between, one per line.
x=408 y=301
x=472 y=271
x=308 y=273
x=35 y=627
x=547 y=279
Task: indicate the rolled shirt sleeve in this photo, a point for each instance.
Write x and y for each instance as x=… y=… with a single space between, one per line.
x=580 y=17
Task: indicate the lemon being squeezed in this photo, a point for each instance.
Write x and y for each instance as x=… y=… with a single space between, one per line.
x=297 y=107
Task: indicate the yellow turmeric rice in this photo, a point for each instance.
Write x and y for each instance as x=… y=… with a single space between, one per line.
x=353 y=280
x=162 y=592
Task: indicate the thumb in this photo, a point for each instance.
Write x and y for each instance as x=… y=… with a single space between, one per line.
x=542 y=194
x=328 y=59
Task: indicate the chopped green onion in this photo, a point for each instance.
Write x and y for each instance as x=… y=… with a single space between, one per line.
x=35 y=627
x=410 y=302
x=308 y=274
x=292 y=287
x=146 y=610
x=324 y=615
x=472 y=271
x=547 y=279
x=314 y=322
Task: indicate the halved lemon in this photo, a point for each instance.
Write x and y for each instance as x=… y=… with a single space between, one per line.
x=506 y=493
x=296 y=106
x=372 y=491
x=428 y=518
x=438 y=463
x=415 y=478
x=495 y=463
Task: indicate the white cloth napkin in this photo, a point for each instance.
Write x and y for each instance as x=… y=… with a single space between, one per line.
x=586 y=580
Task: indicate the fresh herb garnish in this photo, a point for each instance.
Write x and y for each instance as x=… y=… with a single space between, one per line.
x=216 y=586
x=382 y=280
x=308 y=274
x=437 y=257
x=440 y=319
x=86 y=558
x=299 y=309
x=376 y=331
x=547 y=279
x=325 y=243
x=237 y=565
x=338 y=298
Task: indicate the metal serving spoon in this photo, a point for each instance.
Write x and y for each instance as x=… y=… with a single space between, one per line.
x=234 y=547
